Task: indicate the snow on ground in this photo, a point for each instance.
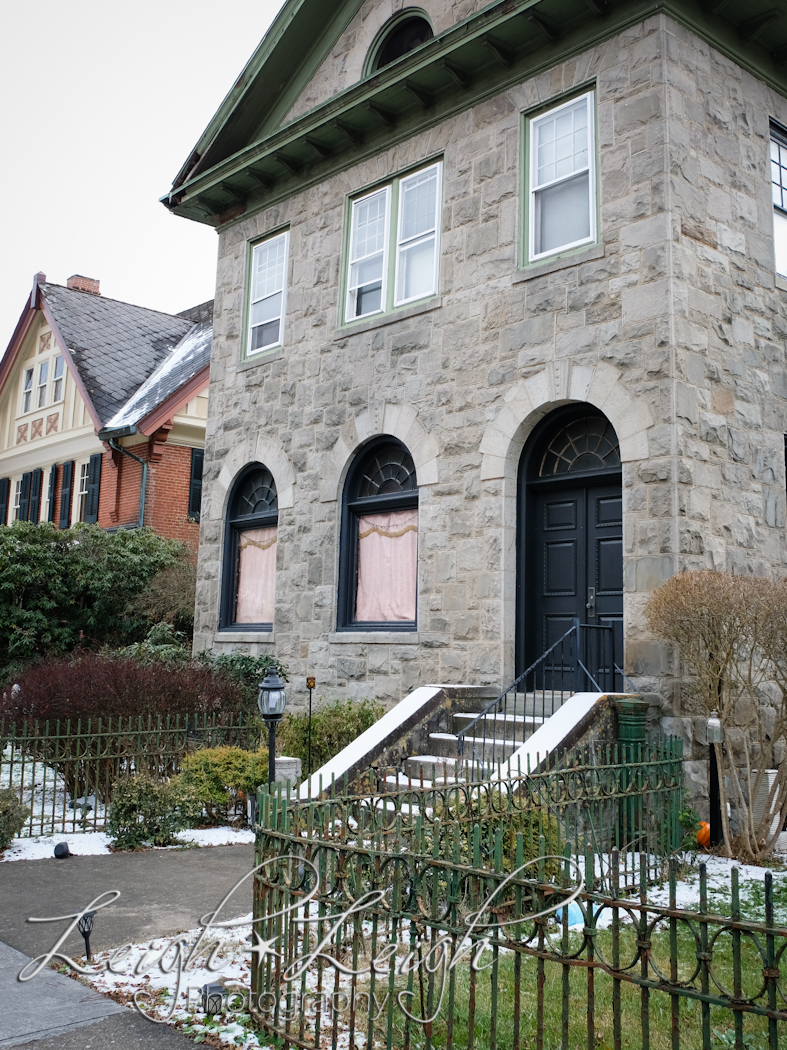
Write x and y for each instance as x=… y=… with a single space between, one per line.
x=92 y=843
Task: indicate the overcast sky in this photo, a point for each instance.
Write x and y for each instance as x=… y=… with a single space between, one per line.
x=101 y=102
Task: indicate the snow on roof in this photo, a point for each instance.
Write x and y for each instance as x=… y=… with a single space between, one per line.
x=181 y=364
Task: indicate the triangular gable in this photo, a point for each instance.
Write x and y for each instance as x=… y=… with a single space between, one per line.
x=34 y=342
x=297 y=43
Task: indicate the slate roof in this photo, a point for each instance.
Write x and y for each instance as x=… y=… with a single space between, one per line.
x=115 y=346
x=187 y=359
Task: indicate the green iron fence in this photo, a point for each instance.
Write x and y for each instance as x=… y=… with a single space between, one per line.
x=64 y=771
x=426 y=918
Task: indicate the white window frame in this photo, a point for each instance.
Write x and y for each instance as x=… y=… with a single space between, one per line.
x=79 y=504
x=401 y=245
x=27 y=391
x=17 y=499
x=43 y=383
x=285 y=236
x=533 y=189
x=57 y=395
x=394 y=246
x=778 y=139
x=352 y=260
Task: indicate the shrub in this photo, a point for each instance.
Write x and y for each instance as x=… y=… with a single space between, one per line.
x=149 y=811
x=223 y=776
x=334 y=725
x=101 y=685
x=245 y=671
x=162 y=642
x=170 y=597
x=12 y=816
x=731 y=633
x=60 y=588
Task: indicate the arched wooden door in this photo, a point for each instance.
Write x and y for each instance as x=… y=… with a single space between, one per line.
x=570 y=554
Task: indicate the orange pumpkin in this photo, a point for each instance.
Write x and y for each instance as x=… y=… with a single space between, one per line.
x=703 y=835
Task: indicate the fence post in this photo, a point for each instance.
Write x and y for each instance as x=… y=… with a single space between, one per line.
x=576 y=654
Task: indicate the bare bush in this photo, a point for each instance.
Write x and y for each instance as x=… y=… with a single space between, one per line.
x=731 y=633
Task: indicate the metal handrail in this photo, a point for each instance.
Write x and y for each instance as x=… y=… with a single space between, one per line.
x=567 y=664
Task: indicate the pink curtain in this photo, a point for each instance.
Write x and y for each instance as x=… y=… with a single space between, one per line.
x=256 y=576
x=387 y=566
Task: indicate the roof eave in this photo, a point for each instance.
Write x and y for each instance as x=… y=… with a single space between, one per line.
x=150 y=423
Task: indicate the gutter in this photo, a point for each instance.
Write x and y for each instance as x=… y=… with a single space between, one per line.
x=103 y=435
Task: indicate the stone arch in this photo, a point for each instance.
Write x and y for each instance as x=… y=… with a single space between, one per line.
x=400 y=421
x=259 y=448
x=601 y=385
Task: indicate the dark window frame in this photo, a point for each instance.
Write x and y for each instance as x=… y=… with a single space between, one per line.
x=354 y=506
x=235 y=524
x=195 y=484
x=5 y=499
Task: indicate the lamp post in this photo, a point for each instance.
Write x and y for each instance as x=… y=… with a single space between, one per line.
x=310 y=683
x=714 y=734
x=271 y=701
x=85 y=927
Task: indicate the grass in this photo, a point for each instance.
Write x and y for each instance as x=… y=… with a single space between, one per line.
x=660 y=1004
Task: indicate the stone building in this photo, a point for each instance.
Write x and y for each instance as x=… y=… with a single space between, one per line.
x=102 y=412
x=499 y=331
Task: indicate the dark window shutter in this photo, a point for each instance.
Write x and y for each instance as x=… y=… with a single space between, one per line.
x=36 y=485
x=93 y=488
x=66 y=486
x=195 y=488
x=24 y=496
x=50 y=512
x=5 y=494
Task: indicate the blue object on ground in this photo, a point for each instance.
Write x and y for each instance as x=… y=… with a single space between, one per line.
x=575 y=916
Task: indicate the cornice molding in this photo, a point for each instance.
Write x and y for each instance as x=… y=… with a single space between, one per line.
x=457 y=70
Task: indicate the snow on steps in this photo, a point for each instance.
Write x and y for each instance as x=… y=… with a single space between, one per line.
x=393 y=733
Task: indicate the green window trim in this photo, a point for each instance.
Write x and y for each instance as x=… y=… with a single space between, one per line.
x=264 y=352
x=395 y=247
x=528 y=258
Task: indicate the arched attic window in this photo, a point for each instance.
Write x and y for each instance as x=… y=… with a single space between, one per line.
x=251 y=532
x=402 y=34
x=379 y=554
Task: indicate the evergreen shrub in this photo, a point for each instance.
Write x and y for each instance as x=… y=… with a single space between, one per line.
x=146 y=811
x=12 y=816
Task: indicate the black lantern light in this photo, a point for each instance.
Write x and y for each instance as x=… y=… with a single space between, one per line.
x=85 y=927
x=213 y=998
x=271 y=701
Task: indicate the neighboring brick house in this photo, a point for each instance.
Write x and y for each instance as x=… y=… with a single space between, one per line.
x=499 y=330
x=95 y=396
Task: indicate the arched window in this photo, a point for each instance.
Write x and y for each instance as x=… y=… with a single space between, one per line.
x=378 y=566
x=405 y=33
x=587 y=442
x=249 y=584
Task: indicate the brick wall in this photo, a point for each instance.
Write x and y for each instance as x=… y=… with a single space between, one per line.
x=166 y=499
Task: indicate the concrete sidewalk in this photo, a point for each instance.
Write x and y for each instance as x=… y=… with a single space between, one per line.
x=163 y=892
x=52 y=1010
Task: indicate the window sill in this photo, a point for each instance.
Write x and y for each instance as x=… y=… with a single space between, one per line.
x=356 y=327
x=264 y=358
x=780 y=282
x=529 y=273
x=265 y=637
x=375 y=637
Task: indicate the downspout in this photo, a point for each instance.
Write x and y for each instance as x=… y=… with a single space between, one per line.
x=119 y=448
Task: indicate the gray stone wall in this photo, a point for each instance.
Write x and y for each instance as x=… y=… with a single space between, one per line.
x=344 y=66
x=673 y=326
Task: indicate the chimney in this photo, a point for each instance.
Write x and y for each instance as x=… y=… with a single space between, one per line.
x=78 y=283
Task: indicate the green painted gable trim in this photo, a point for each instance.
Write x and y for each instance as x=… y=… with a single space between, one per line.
x=302 y=28
x=499 y=47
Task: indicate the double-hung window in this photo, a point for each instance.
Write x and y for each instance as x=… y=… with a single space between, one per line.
x=779 y=192
x=57 y=385
x=394 y=246
x=268 y=294
x=562 y=179
x=43 y=376
x=27 y=391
